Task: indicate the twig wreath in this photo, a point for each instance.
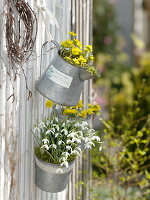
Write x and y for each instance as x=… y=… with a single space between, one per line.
x=21 y=32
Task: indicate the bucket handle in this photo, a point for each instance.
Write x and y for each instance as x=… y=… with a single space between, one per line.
x=45 y=43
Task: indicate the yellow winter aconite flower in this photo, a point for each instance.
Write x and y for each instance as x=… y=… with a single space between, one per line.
x=68 y=58
x=83 y=113
x=72 y=33
x=67 y=43
x=76 y=51
x=77 y=43
x=96 y=108
x=49 y=103
x=80 y=104
x=81 y=59
x=69 y=111
x=90 y=111
x=76 y=61
x=91 y=57
x=89 y=48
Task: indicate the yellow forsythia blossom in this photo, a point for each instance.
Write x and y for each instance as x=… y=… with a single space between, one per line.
x=76 y=51
x=49 y=103
x=72 y=33
x=83 y=113
x=70 y=111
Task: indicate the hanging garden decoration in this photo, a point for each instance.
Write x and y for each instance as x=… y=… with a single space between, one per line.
x=62 y=82
x=60 y=138
x=21 y=32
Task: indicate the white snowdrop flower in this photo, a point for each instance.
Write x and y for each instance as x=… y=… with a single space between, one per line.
x=42 y=125
x=64 y=131
x=53 y=146
x=91 y=143
x=66 y=154
x=80 y=133
x=53 y=129
x=75 y=152
x=45 y=146
x=82 y=127
x=68 y=148
x=86 y=140
x=45 y=141
x=74 y=139
x=84 y=123
x=36 y=130
x=59 y=171
x=56 y=119
x=65 y=164
x=68 y=121
x=60 y=142
x=68 y=141
x=77 y=124
x=91 y=130
x=86 y=128
x=49 y=131
x=56 y=126
x=100 y=148
x=95 y=138
x=72 y=134
x=63 y=125
x=56 y=135
x=87 y=146
x=78 y=149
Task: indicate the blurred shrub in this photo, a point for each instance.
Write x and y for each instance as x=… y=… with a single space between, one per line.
x=124 y=163
x=104 y=29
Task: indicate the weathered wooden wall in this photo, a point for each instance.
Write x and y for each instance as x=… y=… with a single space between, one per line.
x=17 y=119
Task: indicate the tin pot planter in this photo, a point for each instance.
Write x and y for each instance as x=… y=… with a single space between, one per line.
x=62 y=82
x=51 y=177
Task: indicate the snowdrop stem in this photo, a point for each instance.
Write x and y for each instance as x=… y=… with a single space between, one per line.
x=50 y=155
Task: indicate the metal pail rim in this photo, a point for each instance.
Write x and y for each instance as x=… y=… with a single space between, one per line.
x=53 y=168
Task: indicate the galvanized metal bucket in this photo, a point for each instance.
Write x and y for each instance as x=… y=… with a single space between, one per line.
x=51 y=177
x=62 y=82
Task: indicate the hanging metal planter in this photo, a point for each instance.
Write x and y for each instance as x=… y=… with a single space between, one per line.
x=51 y=177
x=62 y=82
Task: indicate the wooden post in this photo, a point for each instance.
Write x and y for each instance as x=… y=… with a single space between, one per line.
x=18 y=118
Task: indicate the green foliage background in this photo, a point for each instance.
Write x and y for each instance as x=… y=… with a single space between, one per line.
x=122 y=170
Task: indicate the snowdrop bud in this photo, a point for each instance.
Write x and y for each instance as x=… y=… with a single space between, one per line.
x=36 y=130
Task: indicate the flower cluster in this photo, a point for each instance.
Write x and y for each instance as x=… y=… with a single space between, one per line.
x=61 y=139
x=73 y=52
x=76 y=111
